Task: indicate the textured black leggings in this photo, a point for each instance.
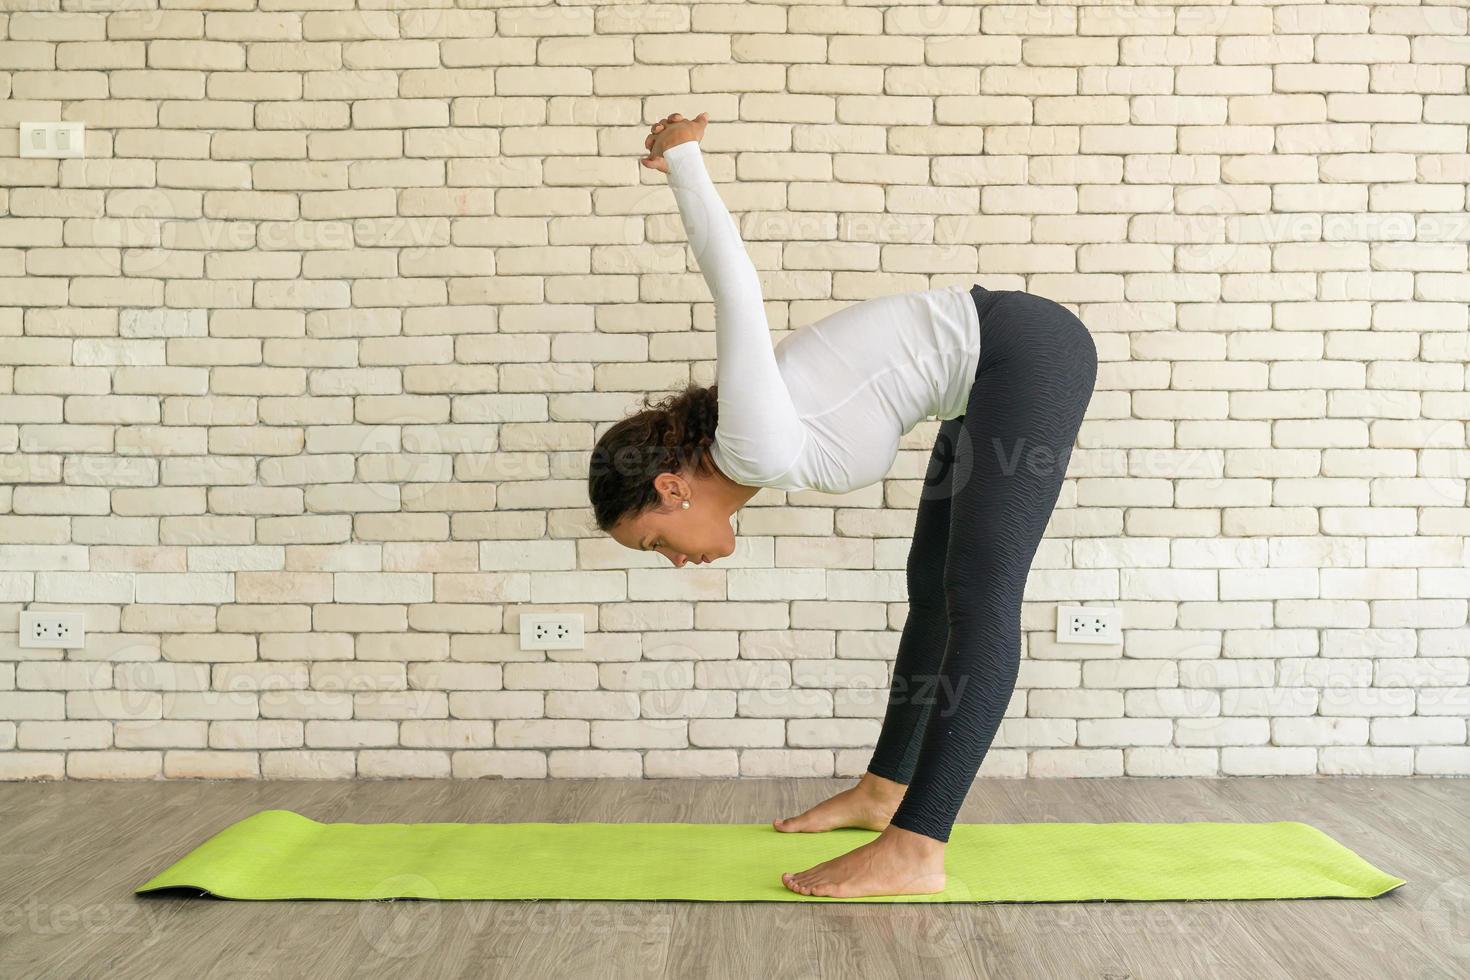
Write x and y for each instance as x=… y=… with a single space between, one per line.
x=993 y=479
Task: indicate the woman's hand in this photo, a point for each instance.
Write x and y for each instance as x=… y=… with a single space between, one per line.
x=669 y=131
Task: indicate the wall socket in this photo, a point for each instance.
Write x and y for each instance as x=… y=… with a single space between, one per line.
x=551 y=631
x=52 y=629
x=1089 y=624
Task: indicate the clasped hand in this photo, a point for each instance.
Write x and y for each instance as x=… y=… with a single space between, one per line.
x=669 y=131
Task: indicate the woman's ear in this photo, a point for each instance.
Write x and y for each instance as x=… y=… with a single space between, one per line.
x=671 y=489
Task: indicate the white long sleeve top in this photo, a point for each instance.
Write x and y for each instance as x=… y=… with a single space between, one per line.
x=823 y=410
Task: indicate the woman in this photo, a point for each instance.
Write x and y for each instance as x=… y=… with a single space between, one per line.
x=1010 y=375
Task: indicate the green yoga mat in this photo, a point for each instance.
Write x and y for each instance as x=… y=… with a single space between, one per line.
x=278 y=854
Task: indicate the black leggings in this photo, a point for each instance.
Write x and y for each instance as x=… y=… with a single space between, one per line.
x=988 y=496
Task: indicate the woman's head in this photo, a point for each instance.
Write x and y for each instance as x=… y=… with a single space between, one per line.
x=654 y=485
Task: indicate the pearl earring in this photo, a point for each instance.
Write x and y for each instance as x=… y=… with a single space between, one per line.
x=686 y=505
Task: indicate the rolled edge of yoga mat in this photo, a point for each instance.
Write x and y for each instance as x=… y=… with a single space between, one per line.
x=279 y=854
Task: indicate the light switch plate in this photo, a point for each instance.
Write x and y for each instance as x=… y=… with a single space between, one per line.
x=52 y=139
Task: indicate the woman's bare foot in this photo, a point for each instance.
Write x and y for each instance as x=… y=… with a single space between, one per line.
x=896 y=862
x=869 y=805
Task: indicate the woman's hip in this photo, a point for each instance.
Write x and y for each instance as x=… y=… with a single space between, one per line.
x=1017 y=326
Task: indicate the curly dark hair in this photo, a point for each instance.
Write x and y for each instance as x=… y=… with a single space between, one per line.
x=664 y=437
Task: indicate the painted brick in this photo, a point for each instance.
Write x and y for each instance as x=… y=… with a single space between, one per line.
x=302 y=483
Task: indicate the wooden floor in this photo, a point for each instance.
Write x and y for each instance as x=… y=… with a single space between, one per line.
x=72 y=852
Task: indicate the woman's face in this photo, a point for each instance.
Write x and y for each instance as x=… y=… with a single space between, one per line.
x=697 y=535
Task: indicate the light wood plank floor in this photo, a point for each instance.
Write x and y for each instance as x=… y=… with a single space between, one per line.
x=71 y=853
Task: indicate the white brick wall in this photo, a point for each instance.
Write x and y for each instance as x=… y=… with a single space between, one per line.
x=300 y=368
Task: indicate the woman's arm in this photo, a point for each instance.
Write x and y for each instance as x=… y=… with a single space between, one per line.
x=758 y=426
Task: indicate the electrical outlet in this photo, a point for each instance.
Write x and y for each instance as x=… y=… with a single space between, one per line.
x=52 y=629
x=551 y=631
x=1089 y=624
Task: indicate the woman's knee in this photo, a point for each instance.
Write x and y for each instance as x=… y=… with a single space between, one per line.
x=995 y=571
x=924 y=577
